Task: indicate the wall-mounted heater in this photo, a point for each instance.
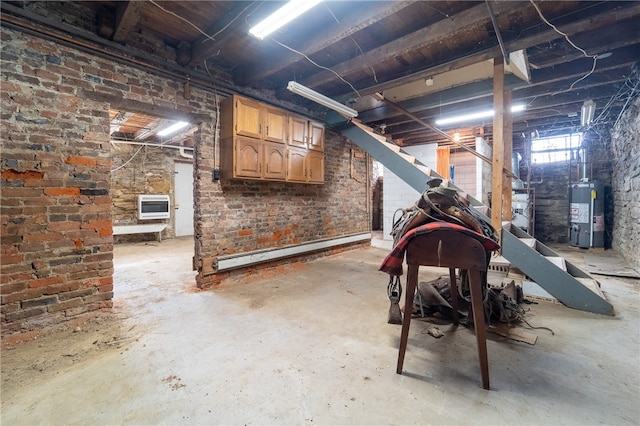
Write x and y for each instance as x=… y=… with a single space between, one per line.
x=152 y=206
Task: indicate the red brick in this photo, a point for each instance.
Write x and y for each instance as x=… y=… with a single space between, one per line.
x=13 y=175
x=56 y=192
x=43 y=237
x=61 y=288
x=6 y=259
x=20 y=278
x=10 y=192
x=67 y=304
x=64 y=226
x=83 y=161
x=12 y=287
x=46 y=282
x=21 y=295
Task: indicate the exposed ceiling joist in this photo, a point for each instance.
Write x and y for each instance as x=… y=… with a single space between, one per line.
x=355 y=21
x=127 y=16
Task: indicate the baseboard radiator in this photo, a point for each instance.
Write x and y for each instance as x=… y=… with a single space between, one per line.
x=241 y=260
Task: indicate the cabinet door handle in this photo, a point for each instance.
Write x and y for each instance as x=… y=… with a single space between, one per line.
x=267 y=167
x=259 y=128
x=267 y=130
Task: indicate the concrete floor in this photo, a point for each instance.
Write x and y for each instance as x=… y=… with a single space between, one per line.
x=313 y=347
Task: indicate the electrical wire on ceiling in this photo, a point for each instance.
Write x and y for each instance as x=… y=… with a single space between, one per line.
x=635 y=75
x=185 y=20
x=594 y=57
x=626 y=92
x=316 y=64
x=358 y=48
x=211 y=37
x=208 y=37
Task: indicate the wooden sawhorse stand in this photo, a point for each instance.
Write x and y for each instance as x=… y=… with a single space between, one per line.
x=451 y=249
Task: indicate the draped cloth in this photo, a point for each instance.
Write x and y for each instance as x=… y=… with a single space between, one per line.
x=392 y=264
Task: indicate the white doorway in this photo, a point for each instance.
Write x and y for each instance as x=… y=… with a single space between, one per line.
x=183 y=198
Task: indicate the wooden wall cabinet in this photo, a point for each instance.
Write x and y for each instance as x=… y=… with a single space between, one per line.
x=305 y=133
x=259 y=141
x=304 y=165
x=247 y=117
x=254 y=159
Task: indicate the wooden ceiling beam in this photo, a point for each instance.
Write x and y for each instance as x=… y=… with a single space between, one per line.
x=478 y=94
x=592 y=49
x=611 y=17
x=355 y=21
x=204 y=46
x=127 y=16
x=429 y=36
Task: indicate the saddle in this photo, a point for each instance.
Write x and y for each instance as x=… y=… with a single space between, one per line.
x=436 y=204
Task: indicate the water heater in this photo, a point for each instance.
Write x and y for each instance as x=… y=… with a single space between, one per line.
x=586 y=217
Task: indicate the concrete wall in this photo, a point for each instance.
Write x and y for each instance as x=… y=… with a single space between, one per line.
x=465 y=171
x=56 y=223
x=625 y=144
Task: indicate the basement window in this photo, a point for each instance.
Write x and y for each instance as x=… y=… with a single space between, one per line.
x=555 y=149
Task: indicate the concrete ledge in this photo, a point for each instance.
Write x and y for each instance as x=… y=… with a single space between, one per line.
x=140 y=229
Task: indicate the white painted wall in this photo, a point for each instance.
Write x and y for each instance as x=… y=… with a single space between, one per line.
x=398 y=194
x=483 y=170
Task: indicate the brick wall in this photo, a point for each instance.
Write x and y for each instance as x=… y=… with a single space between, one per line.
x=625 y=144
x=56 y=222
x=247 y=215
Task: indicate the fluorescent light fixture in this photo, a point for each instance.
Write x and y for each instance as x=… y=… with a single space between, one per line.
x=587 y=112
x=321 y=99
x=173 y=128
x=475 y=116
x=281 y=17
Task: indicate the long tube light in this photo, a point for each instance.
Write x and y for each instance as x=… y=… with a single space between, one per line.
x=173 y=128
x=587 y=112
x=281 y=17
x=474 y=116
x=321 y=99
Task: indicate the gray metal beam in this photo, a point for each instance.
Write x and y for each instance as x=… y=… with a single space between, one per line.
x=546 y=274
x=409 y=173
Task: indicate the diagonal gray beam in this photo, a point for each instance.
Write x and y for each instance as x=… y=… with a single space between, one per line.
x=560 y=284
x=413 y=176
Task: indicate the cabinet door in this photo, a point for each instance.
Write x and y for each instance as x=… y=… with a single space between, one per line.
x=315 y=165
x=248 y=118
x=316 y=136
x=298 y=131
x=275 y=162
x=275 y=125
x=248 y=158
x=296 y=165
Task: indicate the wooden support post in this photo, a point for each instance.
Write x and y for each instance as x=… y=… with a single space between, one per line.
x=498 y=144
x=508 y=152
